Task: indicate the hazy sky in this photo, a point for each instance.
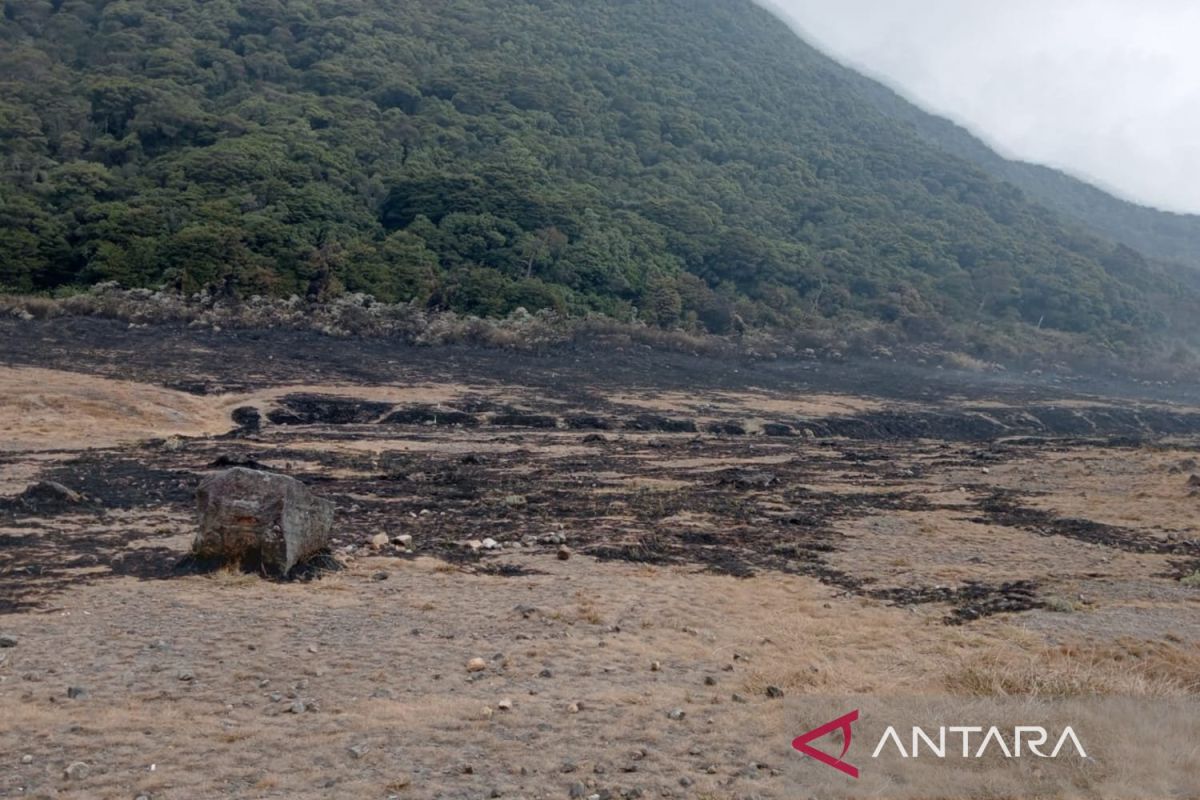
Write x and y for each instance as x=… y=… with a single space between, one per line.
x=1105 y=89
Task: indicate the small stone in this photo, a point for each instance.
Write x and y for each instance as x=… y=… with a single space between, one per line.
x=26 y=759
x=655 y=666
x=577 y=790
x=709 y=680
x=774 y=692
x=298 y=707
x=685 y=781
x=564 y=552
x=186 y=675
x=505 y=705
x=490 y=544
x=487 y=712
x=476 y=665
x=77 y=771
x=546 y=673
x=515 y=500
x=739 y=698
x=77 y=692
x=379 y=540
x=574 y=708
x=676 y=714
x=8 y=640
x=381 y=576
x=474 y=545
x=359 y=750
x=404 y=540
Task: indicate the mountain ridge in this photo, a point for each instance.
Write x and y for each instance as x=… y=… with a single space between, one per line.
x=690 y=165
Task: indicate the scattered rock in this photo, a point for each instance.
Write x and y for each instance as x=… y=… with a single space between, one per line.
x=490 y=544
x=574 y=708
x=27 y=759
x=709 y=680
x=577 y=790
x=676 y=714
x=359 y=750
x=46 y=496
x=545 y=674
x=739 y=698
x=474 y=545
x=8 y=640
x=564 y=553
x=186 y=675
x=250 y=515
x=381 y=576
x=77 y=693
x=774 y=692
x=515 y=501
x=77 y=771
x=379 y=541
x=655 y=666
x=1194 y=481
x=404 y=540
x=476 y=665
x=505 y=705
x=297 y=707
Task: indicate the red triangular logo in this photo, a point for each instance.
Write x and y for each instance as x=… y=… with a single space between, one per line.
x=800 y=743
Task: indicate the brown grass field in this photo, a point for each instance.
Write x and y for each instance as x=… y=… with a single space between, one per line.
x=754 y=545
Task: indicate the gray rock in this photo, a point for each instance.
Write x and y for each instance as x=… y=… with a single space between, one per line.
x=77 y=692
x=26 y=759
x=48 y=495
x=676 y=714
x=577 y=790
x=246 y=513
x=774 y=692
x=77 y=771
x=8 y=640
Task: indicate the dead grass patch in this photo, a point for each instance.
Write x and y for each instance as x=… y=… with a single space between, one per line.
x=1126 y=667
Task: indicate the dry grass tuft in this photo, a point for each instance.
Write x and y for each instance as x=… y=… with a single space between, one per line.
x=1130 y=668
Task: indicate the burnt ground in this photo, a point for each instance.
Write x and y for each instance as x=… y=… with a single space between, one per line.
x=619 y=453
x=964 y=499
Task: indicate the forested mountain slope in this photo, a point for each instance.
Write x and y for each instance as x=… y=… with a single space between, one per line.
x=1158 y=234
x=684 y=162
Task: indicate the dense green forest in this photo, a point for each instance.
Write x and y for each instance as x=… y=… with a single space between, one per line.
x=687 y=163
x=1158 y=234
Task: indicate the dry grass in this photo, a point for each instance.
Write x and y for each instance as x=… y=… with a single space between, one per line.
x=1127 y=668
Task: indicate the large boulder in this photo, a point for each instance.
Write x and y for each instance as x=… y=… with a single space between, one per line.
x=247 y=515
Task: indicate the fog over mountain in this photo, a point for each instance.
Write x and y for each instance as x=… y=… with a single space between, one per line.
x=1103 y=89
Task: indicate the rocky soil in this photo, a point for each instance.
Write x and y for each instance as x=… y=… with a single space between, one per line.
x=571 y=574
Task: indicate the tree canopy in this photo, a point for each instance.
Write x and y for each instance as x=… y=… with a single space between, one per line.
x=684 y=162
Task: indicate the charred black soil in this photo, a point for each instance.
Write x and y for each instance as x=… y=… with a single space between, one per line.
x=635 y=455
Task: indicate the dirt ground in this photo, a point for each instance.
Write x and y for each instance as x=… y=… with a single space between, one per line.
x=741 y=536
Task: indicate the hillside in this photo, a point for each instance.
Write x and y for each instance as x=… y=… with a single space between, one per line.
x=1163 y=235
x=684 y=163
